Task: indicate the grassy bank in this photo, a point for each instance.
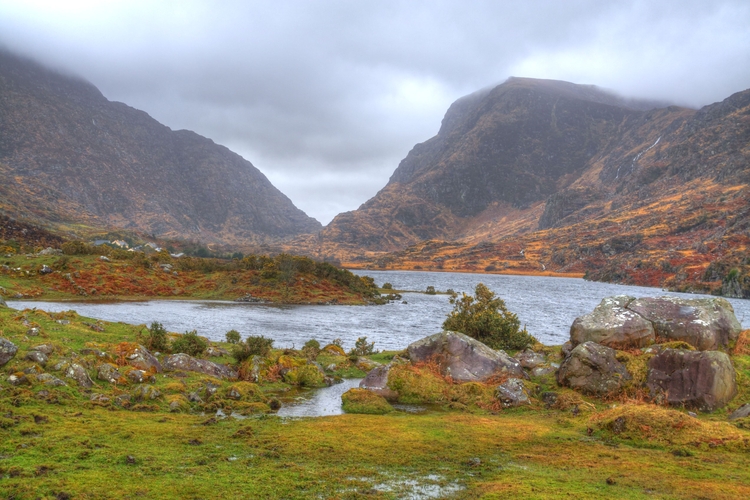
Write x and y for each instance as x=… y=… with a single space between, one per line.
x=124 y=275
x=67 y=442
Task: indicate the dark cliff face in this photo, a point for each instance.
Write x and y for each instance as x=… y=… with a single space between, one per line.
x=70 y=154
x=516 y=144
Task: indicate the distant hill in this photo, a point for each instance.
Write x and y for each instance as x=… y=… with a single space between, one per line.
x=70 y=158
x=541 y=176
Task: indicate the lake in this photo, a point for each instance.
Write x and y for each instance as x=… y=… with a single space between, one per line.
x=547 y=306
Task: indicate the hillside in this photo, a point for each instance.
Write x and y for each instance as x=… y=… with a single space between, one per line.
x=539 y=176
x=71 y=159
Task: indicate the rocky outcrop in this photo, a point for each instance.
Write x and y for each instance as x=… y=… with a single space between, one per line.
x=184 y=362
x=79 y=374
x=624 y=322
x=530 y=359
x=512 y=393
x=706 y=324
x=140 y=357
x=376 y=381
x=593 y=368
x=704 y=380
x=7 y=350
x=463 y=358
x=612 y=324
x=108 y=373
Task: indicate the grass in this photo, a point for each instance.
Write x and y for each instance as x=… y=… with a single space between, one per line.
x=61 y=444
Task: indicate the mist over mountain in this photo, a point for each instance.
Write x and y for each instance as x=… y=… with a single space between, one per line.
x=69 y=157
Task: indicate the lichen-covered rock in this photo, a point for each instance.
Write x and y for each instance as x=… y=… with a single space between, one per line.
x=108 y=373
x=707 y=324
x=704 y=380
x=7 y=350
x=2 y=302
x=530 y=359
x=741 y=412
x=145 y=393
x=140 y=357
x=139 y=376
x=19 y=379
x=216 y=351
x=45 y=348
x=79 y=374
x=376 y=382
x=593 y=368
x=611 y=323
x=50 y=380
x=36 y=357
x=363 y=401
x=184 y=362
x=512 y=393
x=463 y=358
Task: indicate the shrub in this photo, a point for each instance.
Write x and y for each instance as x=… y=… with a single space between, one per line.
x=387 y=286
x=431 y=290
x=357 y=400
x=156 y=338
x=362 y=348
x=485 y=318
x=311 y=349
x=233 y=337
x=189 y=343
x=252 y=346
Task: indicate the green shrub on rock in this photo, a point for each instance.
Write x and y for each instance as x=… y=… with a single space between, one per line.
x=189 y=343
x=485 y=318
x=252 y=346
x=363 y=401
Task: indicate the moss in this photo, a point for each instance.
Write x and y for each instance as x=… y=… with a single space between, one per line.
x=417 y=385
x=305 y=376
x=243 y=391
x=366 y=402
x=335 y=350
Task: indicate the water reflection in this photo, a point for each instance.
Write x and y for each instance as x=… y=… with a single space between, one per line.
x=320 y=402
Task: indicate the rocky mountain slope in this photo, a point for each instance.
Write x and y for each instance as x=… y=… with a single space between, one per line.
x=543 y=176
x=70 y=157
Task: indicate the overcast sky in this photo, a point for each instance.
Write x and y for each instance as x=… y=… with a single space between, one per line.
x=326 y=97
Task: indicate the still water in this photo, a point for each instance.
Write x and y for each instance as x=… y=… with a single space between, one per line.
x=547 y=306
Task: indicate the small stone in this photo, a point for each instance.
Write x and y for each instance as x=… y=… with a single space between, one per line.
x=45 y=269
x=7 y=350
x=36 y=357
x=741 y=412
x=33 y=332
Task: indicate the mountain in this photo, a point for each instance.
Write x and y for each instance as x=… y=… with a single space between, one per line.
x=538 y=176
x=71 y=158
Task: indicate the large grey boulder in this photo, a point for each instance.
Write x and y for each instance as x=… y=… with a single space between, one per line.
x=612 y=324
x=704 y=380
x=7 y=350
x=377 y=381
x=463 y=358
x=706 y=324
x=184 y=362
x=141 y=358
x=593 y=368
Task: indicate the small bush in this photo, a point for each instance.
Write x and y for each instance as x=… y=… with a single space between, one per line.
x=233 y=337
x=431 y=290
x=485 y=318
x=362 y=348
x=311 y=349
x=189 y=343
x=252 y=346
x=363 y=401
x=156 y=338
x=387 y=286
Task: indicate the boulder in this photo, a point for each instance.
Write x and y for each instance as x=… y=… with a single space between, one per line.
x=7 y=350
x=612 y=324
x=463 y=358
x=593 y=368
x=37 y=357
x=44 y=348
x=707 y=324
x=141 y=358
x=2 y=302
x=376 y=382
x=145 y=393
x=79 y=374
x=50 y=380
x=530 y=359
x=704 y=380
x=108 y=373
x=512 y=393
x=184 y=362
x=741 y=412
x=139 y=376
